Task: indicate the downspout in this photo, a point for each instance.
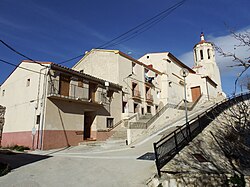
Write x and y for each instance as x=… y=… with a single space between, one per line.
x=36 y=106
x=44 y=97
x=207 y=91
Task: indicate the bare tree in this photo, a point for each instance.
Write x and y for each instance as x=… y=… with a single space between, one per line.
x=244 y=41
x=245 y=82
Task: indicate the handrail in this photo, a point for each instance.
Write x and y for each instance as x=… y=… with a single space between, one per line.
x=145 y=125
x=167 y=147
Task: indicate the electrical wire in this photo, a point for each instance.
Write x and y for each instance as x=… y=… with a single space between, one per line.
x=19 y=53
x=146 y=27
x=17 y=66
x=135 y=31
x=148 y=23
x=128 y=35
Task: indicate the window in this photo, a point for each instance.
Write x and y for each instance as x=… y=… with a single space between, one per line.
x=195 y=55
x=3 y=92
x=133 y=67
x=110 y=122
x=149 y=109
x=156 y=108
x=38 y=119
x=28 y=83
x=201 y=53
x=147 y=57
x=80 y=83
x=208 y=53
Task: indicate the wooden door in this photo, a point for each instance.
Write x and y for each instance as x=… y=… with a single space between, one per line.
x=88 y=120
x=196 y=93
x=92 y=90
x=64 y=85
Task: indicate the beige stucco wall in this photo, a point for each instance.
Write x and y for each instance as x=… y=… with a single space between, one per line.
x=123 y=73
x=64 y=115
x=23 y=102
x=100 y=64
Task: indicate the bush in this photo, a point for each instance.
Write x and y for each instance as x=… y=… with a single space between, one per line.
x=17 y=148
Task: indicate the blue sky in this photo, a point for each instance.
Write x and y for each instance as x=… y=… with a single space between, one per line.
x=58 y=30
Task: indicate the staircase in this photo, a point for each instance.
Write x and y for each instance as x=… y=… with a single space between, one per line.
x=119 y=135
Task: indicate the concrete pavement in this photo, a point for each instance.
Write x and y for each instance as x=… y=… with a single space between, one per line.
x=91 y=165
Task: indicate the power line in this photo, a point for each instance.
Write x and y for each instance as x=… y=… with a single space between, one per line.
x=19 y=53
x=148 y=23
x=148 y=26
x=135 y=31
x=128 y=35
x=17 y=66
x=71 y=59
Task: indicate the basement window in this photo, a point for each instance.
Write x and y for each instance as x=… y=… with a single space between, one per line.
x=110 y=122
x=200 y=157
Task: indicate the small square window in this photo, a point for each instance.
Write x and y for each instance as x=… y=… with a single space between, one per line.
x=110 y=122
x=28 y=83
x=38 y=119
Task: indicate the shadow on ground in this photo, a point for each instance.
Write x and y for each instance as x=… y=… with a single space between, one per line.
x=16 y=160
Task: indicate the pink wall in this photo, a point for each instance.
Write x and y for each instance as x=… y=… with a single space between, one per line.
x=52 y=139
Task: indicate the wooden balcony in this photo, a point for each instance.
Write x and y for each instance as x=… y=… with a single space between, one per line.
x=149 y=98
x=136 y=94
x=75 y=93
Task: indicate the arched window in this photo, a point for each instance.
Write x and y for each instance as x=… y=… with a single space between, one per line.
x=201 y=53
x=195 y=55
x=208 y=54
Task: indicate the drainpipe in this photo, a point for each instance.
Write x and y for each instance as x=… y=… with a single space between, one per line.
x=36 y=108
x=44 y=97
x=207 y=91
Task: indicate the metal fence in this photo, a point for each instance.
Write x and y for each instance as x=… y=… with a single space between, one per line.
x=166 y=148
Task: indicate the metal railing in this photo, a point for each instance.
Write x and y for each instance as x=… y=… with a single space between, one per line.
x=145 y=125
x=75 y=92
x=166 y=148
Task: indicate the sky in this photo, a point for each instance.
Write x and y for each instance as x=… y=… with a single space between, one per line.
x=59 y=30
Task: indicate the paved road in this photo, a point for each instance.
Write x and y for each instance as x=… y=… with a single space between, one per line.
x=88 y=165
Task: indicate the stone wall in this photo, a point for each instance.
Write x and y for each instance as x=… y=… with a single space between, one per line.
x=193 y=180
x=2 y=112
x=206 y=161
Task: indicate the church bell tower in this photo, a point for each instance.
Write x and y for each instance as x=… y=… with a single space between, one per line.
x=204 y=60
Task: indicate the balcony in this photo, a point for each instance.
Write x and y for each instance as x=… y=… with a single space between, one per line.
x=149 y=98
x=74 y=92
x=136 y=94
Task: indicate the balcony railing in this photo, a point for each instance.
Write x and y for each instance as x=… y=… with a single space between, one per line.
x=136 y=94
x=149 y=97
x=76 y=92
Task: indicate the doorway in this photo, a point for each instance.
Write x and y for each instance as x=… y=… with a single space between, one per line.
x=88 y=120
x=196 y=93
x=64 y=84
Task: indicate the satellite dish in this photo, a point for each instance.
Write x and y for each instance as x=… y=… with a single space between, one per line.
x=184 y=72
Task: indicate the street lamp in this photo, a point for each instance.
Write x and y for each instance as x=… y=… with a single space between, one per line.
x=184 y=73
